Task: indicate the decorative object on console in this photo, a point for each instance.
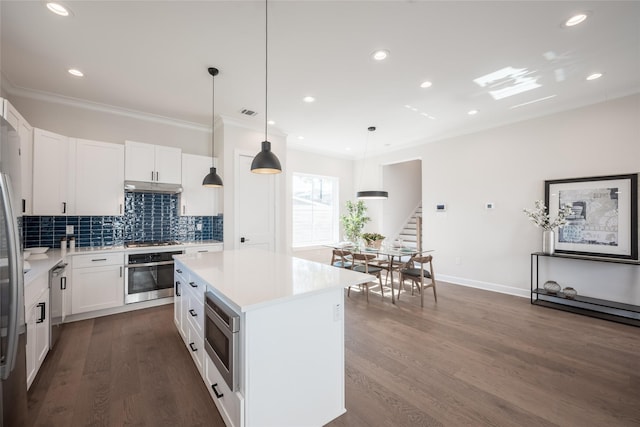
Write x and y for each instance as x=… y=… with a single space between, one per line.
x=370 y=194
x=355 y=220
x=212 y=180
x=541 y=218
x=603 y=220
x=569 y=292
x=265 y=161
x=551 y=287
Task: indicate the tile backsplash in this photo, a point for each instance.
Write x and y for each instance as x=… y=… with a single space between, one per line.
x=147 y=217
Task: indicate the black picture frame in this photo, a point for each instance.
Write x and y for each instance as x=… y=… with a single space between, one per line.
x=604 y=222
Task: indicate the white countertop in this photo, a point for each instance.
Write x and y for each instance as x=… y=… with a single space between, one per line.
x=42 y=263
x=250 y=278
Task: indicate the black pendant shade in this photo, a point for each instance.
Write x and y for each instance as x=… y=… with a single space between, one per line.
x=265 y=162
x=212 y=180
x=372 y=194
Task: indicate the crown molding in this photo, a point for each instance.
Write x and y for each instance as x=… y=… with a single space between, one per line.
x=53 y=98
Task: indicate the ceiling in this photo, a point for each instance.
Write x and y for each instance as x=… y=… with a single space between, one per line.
x=152 y=57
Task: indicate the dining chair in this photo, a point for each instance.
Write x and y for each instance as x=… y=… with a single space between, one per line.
x=341 y=258
x=362 y=264
x=419 y=275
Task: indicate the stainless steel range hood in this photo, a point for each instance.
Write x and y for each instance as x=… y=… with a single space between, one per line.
x=152 y=187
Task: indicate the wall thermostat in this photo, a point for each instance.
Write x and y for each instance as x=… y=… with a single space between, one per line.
x=441 y=207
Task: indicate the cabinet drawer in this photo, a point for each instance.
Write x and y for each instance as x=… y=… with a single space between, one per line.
x=195 y=314
x=98 y=260
x=230 y=404
x=195 y=346
x=197 y=289
x=203 y=249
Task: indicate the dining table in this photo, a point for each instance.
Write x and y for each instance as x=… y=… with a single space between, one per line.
x=394 y=255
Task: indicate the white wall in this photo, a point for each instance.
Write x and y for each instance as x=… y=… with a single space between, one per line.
x=508 y=166
x=403 y=181
x=112 y=126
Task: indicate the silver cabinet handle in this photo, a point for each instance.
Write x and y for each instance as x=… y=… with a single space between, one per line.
x=152 y=174
x=98 y=259
x=121 y=271
x=120 y=209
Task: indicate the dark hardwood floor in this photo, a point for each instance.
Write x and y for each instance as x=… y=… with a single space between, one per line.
x=475 y=358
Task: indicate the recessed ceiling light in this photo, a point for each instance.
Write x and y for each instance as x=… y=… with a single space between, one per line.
x=271 y=122
x=379 y=55
x=308 y=99
x=75 y=72
x=425 y=84
x=576 y=19
x=594 y=76
x=472 y=112
x=58 y=9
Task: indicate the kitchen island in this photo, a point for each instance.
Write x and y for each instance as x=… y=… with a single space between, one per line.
x=289 y=359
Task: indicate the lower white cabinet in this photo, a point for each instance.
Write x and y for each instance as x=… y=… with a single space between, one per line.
x=38 y=325
x=230 y=405
x=97 y=282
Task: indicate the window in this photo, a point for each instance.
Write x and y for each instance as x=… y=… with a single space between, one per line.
x=315 y=210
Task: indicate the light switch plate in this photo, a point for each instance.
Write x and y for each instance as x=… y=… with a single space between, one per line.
x=69 y=229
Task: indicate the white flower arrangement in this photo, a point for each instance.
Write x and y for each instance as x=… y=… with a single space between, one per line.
x=540 y=217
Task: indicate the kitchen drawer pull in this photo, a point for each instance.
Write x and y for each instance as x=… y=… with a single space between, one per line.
x=43 y=311
x=98 y=259
x=64 y=207
x=193 y=284
x=215 y=391
x=120 y=209
x=121 y=271
x=193 y=312
x=152 y=174
x=204 y=250
x=193 y=346
x=178 y=271
x=63 y=283
x=178 y=288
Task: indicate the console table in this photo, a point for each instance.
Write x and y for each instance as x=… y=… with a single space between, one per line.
x=594 y=307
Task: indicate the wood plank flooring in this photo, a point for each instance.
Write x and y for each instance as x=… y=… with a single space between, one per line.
x=475 y=358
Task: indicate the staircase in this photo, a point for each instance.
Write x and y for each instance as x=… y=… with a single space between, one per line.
x=410 y=232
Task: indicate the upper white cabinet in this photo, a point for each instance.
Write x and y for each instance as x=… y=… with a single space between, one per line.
x=99 y=180
x=25 y=132
x=51 y=175
x=197 y=200
x=152 y=163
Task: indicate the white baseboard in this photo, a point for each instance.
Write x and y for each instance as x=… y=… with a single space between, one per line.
x=116 y=310
x=487 y=286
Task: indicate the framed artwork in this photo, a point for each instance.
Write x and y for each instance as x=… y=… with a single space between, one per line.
x=604 y=219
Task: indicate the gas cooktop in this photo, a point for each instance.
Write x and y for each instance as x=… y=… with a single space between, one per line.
x=150 y=244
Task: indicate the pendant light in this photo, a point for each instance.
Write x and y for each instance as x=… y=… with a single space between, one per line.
x=265 y=161
x=212 y=180
x=370 y=194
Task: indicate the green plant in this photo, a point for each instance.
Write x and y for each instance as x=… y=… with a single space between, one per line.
x=355 y=219
x=372 y=237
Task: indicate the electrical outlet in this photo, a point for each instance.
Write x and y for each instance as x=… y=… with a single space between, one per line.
x=69 y=229
x=337 y=312
x=198 y=227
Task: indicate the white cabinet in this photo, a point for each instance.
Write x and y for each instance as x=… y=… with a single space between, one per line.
x=197 y=200
x=99 y=180
x=38 y=325
x=189 y=315
x=25 y=132
x=97 y=282
x=50 y=174
x=152 y=163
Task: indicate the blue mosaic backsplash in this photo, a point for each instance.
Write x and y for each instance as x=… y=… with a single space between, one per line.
x=147 y=217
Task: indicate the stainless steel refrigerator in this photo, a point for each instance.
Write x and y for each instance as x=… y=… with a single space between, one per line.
x=13 y=331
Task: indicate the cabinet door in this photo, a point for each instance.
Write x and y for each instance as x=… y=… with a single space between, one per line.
x=26 y=163
x=197 y=200
x=50 y=165
x=96 y=288
x=31 y=314
x=99 y=182
x=139 y=161
x=168 y=164
x=42 y=328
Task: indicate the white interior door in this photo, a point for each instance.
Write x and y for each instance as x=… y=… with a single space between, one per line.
x=255 y=207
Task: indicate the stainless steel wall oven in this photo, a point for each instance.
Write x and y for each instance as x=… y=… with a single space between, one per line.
x=222 y=325
x=149 y=276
